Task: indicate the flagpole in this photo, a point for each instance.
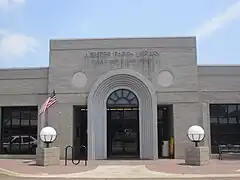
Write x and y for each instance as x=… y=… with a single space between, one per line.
x=41 y=126
x=43 y=117
x=43 y=123
x=45 y=114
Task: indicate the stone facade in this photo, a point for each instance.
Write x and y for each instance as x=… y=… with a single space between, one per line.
x=159 y=71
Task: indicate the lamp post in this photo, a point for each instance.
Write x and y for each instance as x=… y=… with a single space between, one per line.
x=48 y=135
x=196 y=134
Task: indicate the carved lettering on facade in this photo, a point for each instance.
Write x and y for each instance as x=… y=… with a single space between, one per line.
x=120 y=59
x=102 y=54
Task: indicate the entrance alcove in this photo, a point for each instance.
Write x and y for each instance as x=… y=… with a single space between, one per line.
x=97 y=112
x=165 y=131
x=122 y=124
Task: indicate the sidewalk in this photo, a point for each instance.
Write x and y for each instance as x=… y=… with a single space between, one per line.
x=160 y=169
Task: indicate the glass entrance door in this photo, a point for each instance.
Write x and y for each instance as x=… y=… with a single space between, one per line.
x=122 y=124
x=123 y=132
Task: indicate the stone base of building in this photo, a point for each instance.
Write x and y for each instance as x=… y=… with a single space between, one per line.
x=197 y=156
x=48 y=156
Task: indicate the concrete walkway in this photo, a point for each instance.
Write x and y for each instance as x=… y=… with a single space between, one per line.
x=162 y=169
x=121 y=172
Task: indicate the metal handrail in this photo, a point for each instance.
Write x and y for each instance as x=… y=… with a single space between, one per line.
x=72 y=159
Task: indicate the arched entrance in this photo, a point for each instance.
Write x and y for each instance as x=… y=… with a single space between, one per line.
x=122 y=124
x=97 y=112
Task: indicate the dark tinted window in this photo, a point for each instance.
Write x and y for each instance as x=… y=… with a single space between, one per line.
x=27 y=139
x=18 y=121
x=16 y=140
x=225 y=126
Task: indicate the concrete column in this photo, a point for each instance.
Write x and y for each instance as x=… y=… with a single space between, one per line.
x=206 y=125
x=60 y=117
x=185 y=115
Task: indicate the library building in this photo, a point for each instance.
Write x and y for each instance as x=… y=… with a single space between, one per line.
x=122 y=98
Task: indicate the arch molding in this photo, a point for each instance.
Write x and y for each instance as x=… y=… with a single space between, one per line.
x=97 y=114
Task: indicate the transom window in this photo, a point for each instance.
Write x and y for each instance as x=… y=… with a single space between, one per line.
x=122 y=97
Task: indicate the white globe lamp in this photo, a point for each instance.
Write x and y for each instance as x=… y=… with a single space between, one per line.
x=196 y=134
x=48 y=135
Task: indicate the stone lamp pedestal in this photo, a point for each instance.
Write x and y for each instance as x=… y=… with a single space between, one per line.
x=197 y=156
x=48 y=156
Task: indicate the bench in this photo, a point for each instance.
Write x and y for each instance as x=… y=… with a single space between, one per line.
x=227 y=149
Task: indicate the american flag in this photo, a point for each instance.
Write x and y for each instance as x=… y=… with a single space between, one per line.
x=50 y=101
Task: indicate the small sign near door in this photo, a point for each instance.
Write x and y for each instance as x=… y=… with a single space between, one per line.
x=128 y=132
